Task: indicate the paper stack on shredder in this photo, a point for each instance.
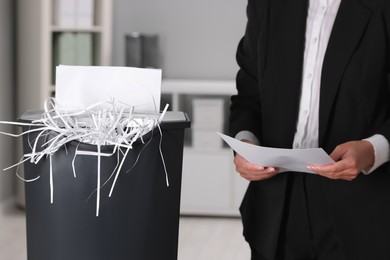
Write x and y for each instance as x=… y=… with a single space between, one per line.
x=208 y=118
x=81 y=86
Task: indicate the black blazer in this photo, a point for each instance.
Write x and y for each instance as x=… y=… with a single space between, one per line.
x=354 y=104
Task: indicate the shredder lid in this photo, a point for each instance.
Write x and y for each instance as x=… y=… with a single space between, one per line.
x=171 y=120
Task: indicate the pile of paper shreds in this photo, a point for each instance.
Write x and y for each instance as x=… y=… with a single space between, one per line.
x=106 y=123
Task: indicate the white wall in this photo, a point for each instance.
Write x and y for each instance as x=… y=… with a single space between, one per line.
x=6 y=99
x=198 y=37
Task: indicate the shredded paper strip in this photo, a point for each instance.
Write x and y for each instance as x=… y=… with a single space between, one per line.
x=105 y=123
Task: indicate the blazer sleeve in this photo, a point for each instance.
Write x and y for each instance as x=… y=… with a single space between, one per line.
x=245 y=108
x=387 y=17
x=385 y=130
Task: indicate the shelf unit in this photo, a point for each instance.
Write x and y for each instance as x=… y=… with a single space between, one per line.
x=36 y=31
x=210 y=185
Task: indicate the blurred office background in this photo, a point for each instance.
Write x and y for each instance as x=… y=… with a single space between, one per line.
x=198 y=38
x=195 y=44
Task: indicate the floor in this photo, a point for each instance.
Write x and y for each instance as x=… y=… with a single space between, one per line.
x=199 y=238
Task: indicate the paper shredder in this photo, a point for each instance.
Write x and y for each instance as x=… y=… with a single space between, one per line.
x=139 y=222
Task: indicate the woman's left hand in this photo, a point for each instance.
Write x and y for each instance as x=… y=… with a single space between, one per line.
x=350 y=158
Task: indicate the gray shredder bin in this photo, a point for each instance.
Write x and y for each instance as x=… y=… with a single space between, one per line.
x=139 y=222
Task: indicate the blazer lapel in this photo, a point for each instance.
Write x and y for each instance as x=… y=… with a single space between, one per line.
x=350 y=23
x=288 y=22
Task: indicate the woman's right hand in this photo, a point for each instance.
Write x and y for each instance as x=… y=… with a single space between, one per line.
x=251 y=171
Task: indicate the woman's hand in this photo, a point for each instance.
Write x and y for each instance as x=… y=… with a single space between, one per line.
x=253 y=172
x=350 y=158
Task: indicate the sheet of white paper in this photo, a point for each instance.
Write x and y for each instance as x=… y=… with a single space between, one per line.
x=80 y=86
x=285 y=159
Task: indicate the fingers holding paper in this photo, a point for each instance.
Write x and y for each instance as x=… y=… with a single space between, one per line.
x=350 y=158
x=251 y=171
